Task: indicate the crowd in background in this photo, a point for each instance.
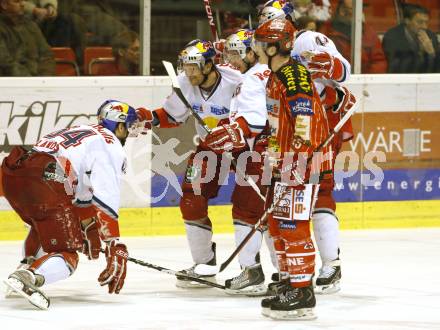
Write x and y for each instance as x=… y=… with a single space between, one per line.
x=32 y=32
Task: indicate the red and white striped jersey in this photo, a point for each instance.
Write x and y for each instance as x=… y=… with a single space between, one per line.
x=297 y=119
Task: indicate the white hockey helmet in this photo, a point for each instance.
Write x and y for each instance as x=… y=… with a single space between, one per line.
x=275 y=9
x=196 y=52
x=239 y=41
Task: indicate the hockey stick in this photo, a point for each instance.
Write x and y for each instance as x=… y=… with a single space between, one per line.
x=211 y=19
x=175 y=83
x=203 y=269
x=173 y=272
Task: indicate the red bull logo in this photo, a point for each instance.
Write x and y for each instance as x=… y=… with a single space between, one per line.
x=203 y=46
x=121 y=107
x=244 y=35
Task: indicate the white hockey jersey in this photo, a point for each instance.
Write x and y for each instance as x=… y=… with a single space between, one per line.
x=98 y=160
x=317 y=42
x=249 y=99
x=212 y=108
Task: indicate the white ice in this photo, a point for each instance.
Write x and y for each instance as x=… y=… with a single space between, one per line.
x=391 y=280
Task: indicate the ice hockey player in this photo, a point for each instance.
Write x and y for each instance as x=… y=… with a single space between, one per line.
x=248 y=117
x=67 y=189
x=209 y=89
x=298 y=125
x=329 y=69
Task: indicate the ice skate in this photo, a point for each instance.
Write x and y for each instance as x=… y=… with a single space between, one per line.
x=279 y=288
x=249 y=283
x=24 y=264
x=294 y=304
x=329 y=278
x=26 y=284
x=183 y=282
x=274 y=287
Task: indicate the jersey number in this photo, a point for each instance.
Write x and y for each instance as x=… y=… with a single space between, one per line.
x=72 y=138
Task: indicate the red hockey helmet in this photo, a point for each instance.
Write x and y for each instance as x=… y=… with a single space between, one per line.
x=277 y=31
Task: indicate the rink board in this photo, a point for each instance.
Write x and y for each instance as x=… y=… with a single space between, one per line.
x=398 y=116
x=167 y=220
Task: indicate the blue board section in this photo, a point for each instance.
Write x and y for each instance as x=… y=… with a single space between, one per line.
x=397 y=185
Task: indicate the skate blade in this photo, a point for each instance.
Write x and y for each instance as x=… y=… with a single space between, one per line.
x=328 y=289
x=182 y=284
x=295 y=315
x=9 y=293
x=36 y=299
x=250 y=291
x=265 y=311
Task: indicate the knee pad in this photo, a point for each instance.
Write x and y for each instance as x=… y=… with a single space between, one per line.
x=193 y=207
x=247 y=206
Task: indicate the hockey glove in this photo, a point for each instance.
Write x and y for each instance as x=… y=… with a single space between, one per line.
x=91 y=241
x=114 y=274
x=325 y=66
x=346 y=100
x=228 y=137
x=145 y=119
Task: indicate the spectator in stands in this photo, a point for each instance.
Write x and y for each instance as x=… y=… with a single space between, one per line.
x=101 y=21
x=232 y=23
x=317 y=9
x=41 y=10
x=23 y=48
x=125 y=47
x=68 y=29
x=410 y=47
x=305 y=23
x=339 y=30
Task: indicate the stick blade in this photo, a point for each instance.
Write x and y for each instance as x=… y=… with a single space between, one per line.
x=171 y=73
x=206 y=270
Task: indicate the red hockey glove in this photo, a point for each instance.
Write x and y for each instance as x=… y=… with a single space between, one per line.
x=92 y=242
x=226 y=137
x=325 y=66
x=219 y=46
x=346 y=100
x=114 y=274
x=145 y=119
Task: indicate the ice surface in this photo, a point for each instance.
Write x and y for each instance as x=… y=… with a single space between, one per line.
x=390 y=280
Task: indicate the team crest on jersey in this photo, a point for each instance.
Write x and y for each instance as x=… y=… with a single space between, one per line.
x=192 y=173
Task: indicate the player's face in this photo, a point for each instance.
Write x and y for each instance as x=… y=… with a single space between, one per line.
x=194 y=73
x=121 y=133
x=232 y=57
